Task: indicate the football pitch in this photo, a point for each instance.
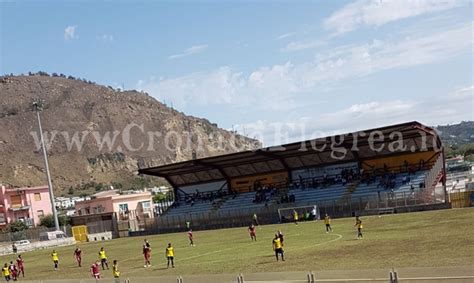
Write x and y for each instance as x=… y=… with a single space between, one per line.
x=425 y=239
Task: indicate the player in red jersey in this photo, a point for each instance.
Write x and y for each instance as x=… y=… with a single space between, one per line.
x=95 y=271
x=21 y=266
x=147 y=253
x=78 y=256
x=13 y=271
x=191 y=238
x=252 y=232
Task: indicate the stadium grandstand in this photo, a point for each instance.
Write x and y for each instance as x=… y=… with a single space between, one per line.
x=384 y=170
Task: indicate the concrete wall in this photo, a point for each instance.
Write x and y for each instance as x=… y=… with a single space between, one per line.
x=7 y=250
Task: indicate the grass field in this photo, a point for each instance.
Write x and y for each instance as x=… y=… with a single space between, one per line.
x=425 y=239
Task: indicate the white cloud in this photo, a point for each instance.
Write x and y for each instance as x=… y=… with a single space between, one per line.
x=380 y=12
x=450 y=108
x=364 y=59
x=190 y=51
x=302 y=45
x=70 y=32
x=285 y=35
x=106 y=38
x=265 y=87
x=286 y=86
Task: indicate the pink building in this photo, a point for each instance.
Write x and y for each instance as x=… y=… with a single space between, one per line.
x=127 y=206
x=24 y=204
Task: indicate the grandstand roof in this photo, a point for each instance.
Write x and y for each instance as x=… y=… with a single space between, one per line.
x=311 y=153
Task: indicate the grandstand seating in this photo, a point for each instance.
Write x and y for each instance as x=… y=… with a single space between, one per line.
x=307 y=196
x=244 y=198
x=336 y=192
x=187 y=208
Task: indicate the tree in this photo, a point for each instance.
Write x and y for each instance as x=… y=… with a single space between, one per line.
x=162 y=197
x=17 y=226
x=159 y=197
x=99 y=187
x=48 y=220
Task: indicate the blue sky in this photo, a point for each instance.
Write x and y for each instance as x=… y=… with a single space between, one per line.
x=277 y=70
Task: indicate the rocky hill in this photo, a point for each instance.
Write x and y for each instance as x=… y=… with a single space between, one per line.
x=96 y=135
x=461 y=133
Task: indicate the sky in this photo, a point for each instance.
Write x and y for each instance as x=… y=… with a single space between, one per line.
x=280 y=71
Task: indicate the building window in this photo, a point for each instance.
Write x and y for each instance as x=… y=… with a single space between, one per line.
x=123 y=207
x=37 y=196
x=146 y=205
x=16 y=200
x=40 y=213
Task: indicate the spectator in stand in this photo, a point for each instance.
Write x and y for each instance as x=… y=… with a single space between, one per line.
x=422 y=164
x=291 y=198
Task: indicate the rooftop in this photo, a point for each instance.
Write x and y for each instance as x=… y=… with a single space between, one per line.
x=310 y=153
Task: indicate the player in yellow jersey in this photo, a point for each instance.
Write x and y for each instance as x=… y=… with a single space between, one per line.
x=278 y=247
x=103 y=259
x=6 y=272
x=170 y=255
x=359 y=226
x=55 y=258
x=327 y=221
x=295 y=216
x=116 y=272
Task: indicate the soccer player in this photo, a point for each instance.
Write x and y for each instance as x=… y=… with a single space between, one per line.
x=55 y=258
x=13 y=271
x=170 y=255
x=255 y=219
x=78 y=256
x=21 y=266
x=147 y=253
x=188 y=224
x=253 y=233
x=191 y=238
x=358 y=224
x=103 y=259
x=116 y=272
x=278 y=247
x=295 y=216
x=280 y=236
x=6 y=272
x=95 y=271
x=327 y=221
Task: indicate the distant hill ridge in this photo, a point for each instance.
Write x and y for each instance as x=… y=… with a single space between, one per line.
x=120 y=130
x=461 y=133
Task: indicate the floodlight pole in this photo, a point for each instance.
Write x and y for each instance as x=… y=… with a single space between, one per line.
x=38 y=107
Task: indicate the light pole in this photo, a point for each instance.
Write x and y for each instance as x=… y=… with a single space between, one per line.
x=38 y=107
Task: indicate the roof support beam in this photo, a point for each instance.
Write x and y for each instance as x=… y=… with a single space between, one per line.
x=279 y=158
x=217 y=167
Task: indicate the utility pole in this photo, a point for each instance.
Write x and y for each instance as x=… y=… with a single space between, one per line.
x=38 y=107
